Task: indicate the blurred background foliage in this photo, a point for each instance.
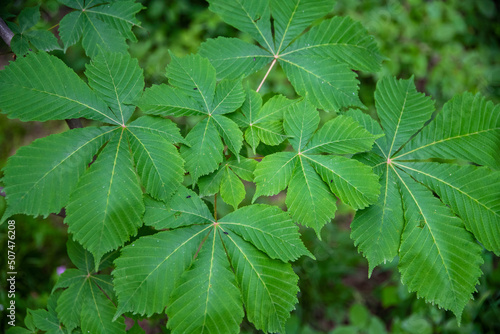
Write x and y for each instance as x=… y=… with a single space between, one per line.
x=449 y=46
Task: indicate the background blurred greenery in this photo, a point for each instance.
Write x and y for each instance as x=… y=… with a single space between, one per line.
x=449 y=46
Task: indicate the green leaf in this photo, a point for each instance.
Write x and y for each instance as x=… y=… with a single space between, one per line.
x=106 y=207
x=341 y=39
x=97 y=315
x=341 y=135
x=205 y=153
x=292 y=17
x=239 y=57
x=309 y=200
x=41 y=87
x=166 y=100
x=402 y=111
x=472 y=192
x=117 y=79
x=229 y=96
x=100 y=35
x=250 y=16
x=211 y=284
x=438 y=258
x=210 y=184
x=376 y=230
x=71 y=28
x=162 y=127
x=71 y=300
x=467 y=128
x=29 y=17
x=273 y=173
x=120 y=16
x=46 y=321
x=150 y=268
x=232 y=189
x=157 y=162
x=243 y=168
x=195 y=76
x=330 y=85
x=43 y=40
x=269 y=287
x=40 y=177
x=301 y=120
x=230 y=132
x=429 y=230
x=269 y=229
x=352 y=181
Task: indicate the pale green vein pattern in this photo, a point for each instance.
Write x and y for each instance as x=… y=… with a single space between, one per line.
x=98 y=35
x=208 y=300
x=151 y=267
x=309 y=200
x=230 y=132
x=438 y=258
x=157 y=161
x=106 y=207
x=269 y=287
x=472 y=192
x=267 y=228
x=232 y=189
x=40 y=177
x=293 y=16
x=166 y=100
x=376 y=230
x=118 y=80
x=205 y=153
x=402 y=111
x=40 y=87
x=467 y=128
x=273 y=173
x=300 y=122
x=239 y=57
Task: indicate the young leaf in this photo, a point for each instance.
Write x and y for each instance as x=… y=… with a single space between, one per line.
x=102 y=25
x=232 y=189
x=307 y=172
x=439 y=258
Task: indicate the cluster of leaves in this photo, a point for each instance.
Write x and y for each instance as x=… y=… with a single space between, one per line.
x=207 y=272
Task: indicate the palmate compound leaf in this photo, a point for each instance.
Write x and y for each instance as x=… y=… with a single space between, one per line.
x=105 y=26
x=85 y=302
x=262 y=123
x=194 y=92
x=318 y=63
x=200 y=260
x=104 y=202
x=438 y=256
x=226 y=180
x=312 y=177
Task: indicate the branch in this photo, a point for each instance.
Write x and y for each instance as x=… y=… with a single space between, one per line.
x=5 y=32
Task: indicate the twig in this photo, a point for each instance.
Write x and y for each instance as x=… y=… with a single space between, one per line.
x=265 y=77
x=5 y=32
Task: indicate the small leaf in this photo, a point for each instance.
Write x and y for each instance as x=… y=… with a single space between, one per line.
x=230 y=132
x=301 y=120
x=166 y=100
x=232 y=189
x=229 y=96
x=273 y=173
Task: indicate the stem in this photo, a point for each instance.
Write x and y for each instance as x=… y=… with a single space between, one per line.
x=215 y=207
x=265 y=77
x=5 y=32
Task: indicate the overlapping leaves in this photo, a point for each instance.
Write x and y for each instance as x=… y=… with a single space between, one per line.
x=318 y=63
x=26 y=38
x=99 y=24
x=193 y=91
x=313 y=178
x=225 y=265
x=104 y=203
x=429 y=212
